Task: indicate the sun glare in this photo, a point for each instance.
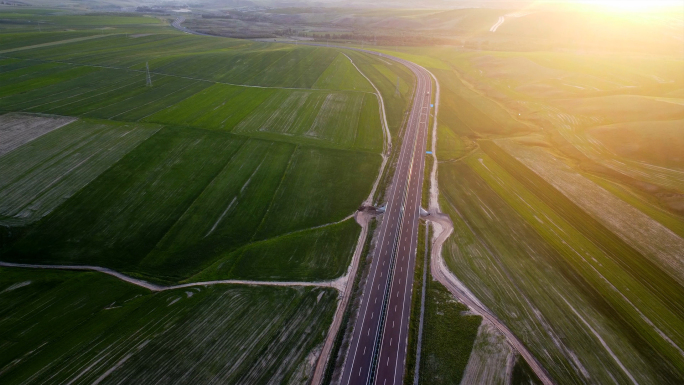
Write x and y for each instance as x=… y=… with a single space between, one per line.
x=633 y=5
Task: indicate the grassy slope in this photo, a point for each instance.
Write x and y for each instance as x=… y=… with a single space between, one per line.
x=657 y=143
x=396 y=106
x=317 y=254
x=553 y=254
x=62 y=326
x=319 y=185
x=448 y=337
x=341 y=75
x=509 y=242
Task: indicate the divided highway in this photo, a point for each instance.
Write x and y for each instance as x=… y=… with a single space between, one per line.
x=377 y=353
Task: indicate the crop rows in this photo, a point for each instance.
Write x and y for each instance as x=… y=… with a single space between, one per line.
x=181 y=199
x=311 y=117
x=105 y=331
x=315 y=116
x=38 y=176
x=224 y=60
x=18 y=129
x=341 y=75
x=655 y=242
x=217 y=107
x=582 y=315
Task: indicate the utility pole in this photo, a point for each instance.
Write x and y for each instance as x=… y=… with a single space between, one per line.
x=149 y=78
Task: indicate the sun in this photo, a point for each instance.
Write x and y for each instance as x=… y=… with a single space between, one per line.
x=633 y=5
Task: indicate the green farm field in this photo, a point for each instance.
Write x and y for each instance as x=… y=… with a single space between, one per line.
x=448 y=337
x=559 y=163
x=538 y=151
x=228 y=160
x=184 y=209
x=87 y=327
x=242 y=161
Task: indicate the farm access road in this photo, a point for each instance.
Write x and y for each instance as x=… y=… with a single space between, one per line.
x=154 y=287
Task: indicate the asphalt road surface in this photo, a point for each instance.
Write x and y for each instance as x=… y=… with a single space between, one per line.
x=377 y=353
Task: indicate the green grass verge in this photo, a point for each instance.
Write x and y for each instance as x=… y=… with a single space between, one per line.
x=310 y=255
x=448 y=337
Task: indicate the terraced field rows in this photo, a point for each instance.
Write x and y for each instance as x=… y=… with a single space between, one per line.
x=104 y=331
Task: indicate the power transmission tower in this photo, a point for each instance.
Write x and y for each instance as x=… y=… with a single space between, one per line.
x=396 y=89
x=149 y=78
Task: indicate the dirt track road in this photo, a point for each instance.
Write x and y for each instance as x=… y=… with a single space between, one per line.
x=154 y=287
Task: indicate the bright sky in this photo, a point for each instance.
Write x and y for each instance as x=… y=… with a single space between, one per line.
x=632 y=5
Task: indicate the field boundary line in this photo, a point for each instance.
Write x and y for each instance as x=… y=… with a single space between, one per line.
x=154 y=287
x=181 y=76
x=386 y=135
x=58 y=42
x=275 y=192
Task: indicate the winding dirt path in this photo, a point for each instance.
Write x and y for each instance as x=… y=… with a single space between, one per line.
x=442 y=228
x=154 y=287
x=362 y=218
x=387 y=137
x=58 y=42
